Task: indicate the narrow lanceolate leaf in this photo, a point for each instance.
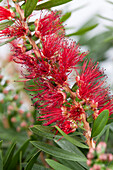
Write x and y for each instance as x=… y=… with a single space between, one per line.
x=1 y=143
x=51 y=3
x=29 y=7
x=65 y=16
x=8 y=41
x=9 y=155
x=110 y=2
x=110 y=119
x=107 y=134
x=32 y=161
x=105 y=18
x=100 y=123
x=83 y=30
x=72 y=140
x=4 y=25
x=45 y=132
x=57 y=152
x=15 y=158
x=1 y=161
x=56 y=166
x=20 y=166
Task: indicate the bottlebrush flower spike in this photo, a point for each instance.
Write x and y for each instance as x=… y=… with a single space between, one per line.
x=16 y=30
x=34 y=65
x=51 y=45
x=50 y=95
x=68 y=57
x=5 y=14
x=92 y=87
x=48 y=24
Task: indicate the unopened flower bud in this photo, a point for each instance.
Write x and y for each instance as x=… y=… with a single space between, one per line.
x=2 y=101
x=1 y=77
x=16 y=97
x=92 y=151
x=103 y=157
x=23 y=124
x=90 y=155
x=7 y=81
x=5 y=91
x=89 y=162
x=96 y=167
x=21 y=102
x=10 y=107
x=32 y=27
x=28 y=115
x=21 y=111
x=109 y=157
x=101 y=147
x=13 y=119
x=77 y=78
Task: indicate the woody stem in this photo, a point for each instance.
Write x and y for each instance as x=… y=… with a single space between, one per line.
x=87 y=133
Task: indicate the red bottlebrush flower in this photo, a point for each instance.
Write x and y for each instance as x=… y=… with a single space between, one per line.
x=50 y=95
x=68 y=57
x=16 y=30
x=5 y=14
x=51 y=46
x=34 y=65
x=92 y=86
x=108 y=106
x=48 y=24
x=50 y=102
x=54 y=116
x=65 y=118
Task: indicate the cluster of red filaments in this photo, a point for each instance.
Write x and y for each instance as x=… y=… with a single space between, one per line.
x=48 y=58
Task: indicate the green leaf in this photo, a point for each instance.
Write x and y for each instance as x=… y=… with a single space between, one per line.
x=66 y=145
x=98 y=138
x=108 y=39
x=56 y=166
x=83 y=30
x=110 y=120
x=32 y=161
x=11 y=134
x=8 y=41
x=108 y=19
x=4 y=25
x=51 y=3
x=65 y=16
x=47 y=132
x=72 y=140
x=39 y=167
x=72 y=164
x=100 y=123
x=57 y=152
x=9 y=155
x=29 y=7
x=15 y=158
x=107 y=134
x=109 y=2
x=1 y=161
x=1 y=143
x=20 y=158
